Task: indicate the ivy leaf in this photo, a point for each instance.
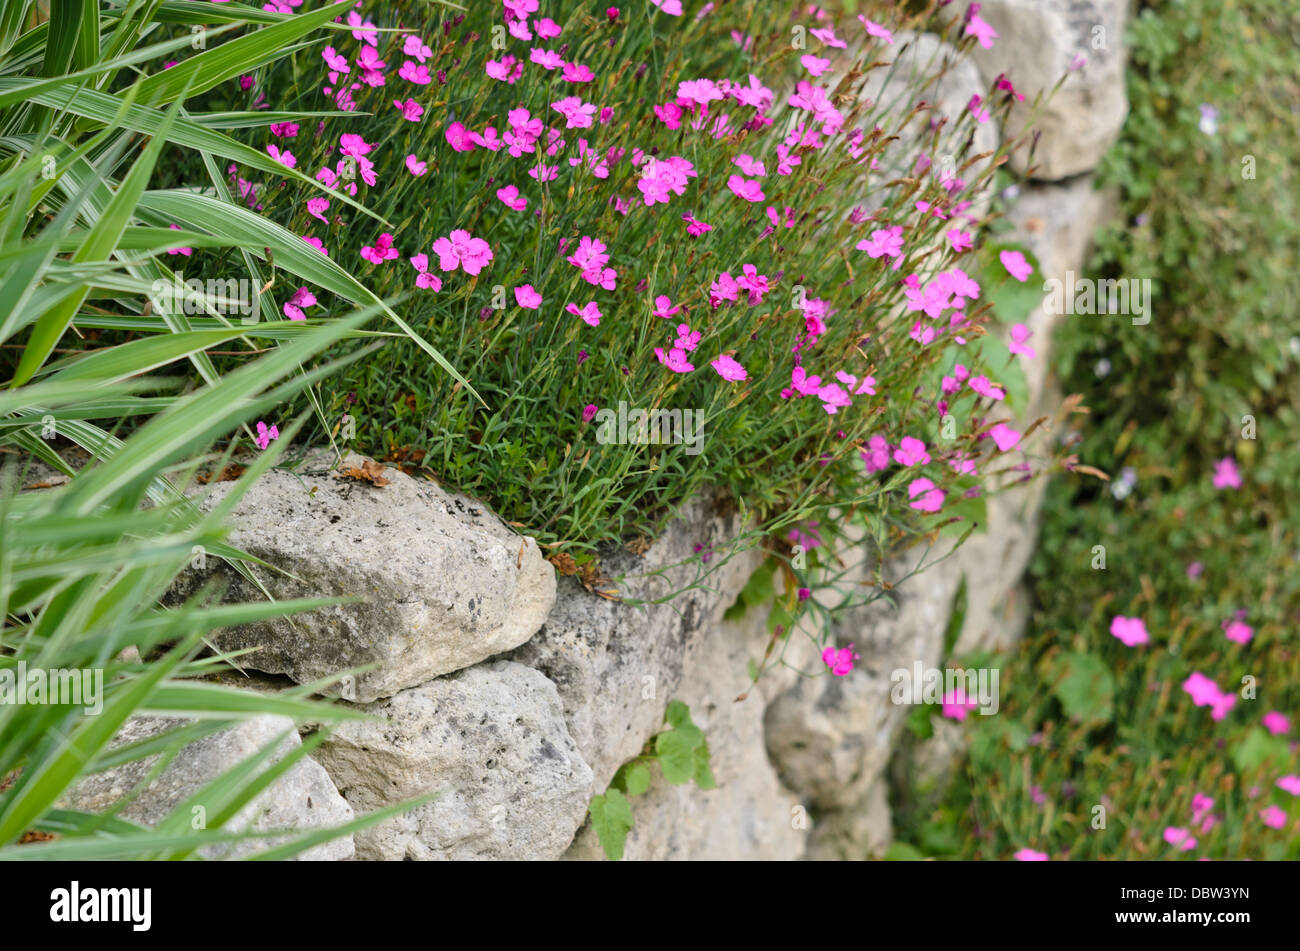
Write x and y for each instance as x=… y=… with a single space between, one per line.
x=611 y=817
x=1087 y=691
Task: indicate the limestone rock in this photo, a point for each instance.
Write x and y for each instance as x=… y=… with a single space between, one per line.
x=302 y=799
x=493 y=739
x=442 y=583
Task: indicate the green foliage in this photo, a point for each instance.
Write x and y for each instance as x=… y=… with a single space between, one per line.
x=1092 y=731
x=682 y=754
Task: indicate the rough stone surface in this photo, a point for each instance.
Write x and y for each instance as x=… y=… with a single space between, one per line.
x=442 y=583
x=617 y=665
x=493 y=739
x=831 y=737
x=749 y=815
x=861 y=831
x=301 y=800
x=1038 y=40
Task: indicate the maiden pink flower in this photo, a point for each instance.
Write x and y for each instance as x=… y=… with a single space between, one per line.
x=1029 y=855
x=315 y=207
x=960 y=240
x=982 y=386
x=459 y=138
x=381 y=251
x=911 y=452
x=577 y=114
x=1273 y=817
x=699 y=91
x=425 y=279
x=979 y=29
x=750 y=190
x=674 y=359
x=285 y=158
x=415 y=73
x=589 y=312
x=295 y=305
x=462 y=250
x=671 y=7
x=1289 y=784
x=415 y=166
x=577 y=73
x=1276 y=723
x=1180 y=838
x=1131 y=630
x=527 y=296
x=1019 y=334
x=265 y=434
x=548 y=29
x=1237 y=631
x=883 y=242
x=880 y=33
x=1004 y=436
x=511 y=198
x=664 y=307
x=728 y=368
x=814 y=64
x=414 y=47
x=925 y=496
x=956 y=705
x=876 y=455
x=187 y=252
x=839 y=661
x=1016 y=265
x=410 y=109
x=284 y=130
x=1226 y=475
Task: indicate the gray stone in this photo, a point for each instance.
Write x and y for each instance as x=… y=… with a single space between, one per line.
x=862 y=831
x=441 y=582
x=492 y=739
x=301 y=800
x=749 y=816
x=1038 y=40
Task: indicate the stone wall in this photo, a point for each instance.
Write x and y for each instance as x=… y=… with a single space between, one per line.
x=518 y=695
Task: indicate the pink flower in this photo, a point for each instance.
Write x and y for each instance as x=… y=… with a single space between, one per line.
x=415 y=166
x=960 y=240
x=981 y=385
x=664 y=307
x=1029 y=855
x=424 y=279
x=459 y=138
x=1005 y=437
x=674 y=359
x=876 y=455
x=293 y=307
x=1019 y=334
x=701 y=91
x=956 y=705
x=884 y=242
x=694 y=227
x=577 y=73
x=285 y=158
x=511 y=198
x=911 y=452
x=187 y=252
x=528 y=297
x=316 y=243
x=413 y=73
x=925 y=496
x=414 y=46
x=750 y=165
x=984 y=33
x=880 y=33
x=411 y=110
x=671 y=7
x=1237 y=631
x=1016 y=265
x=1226 y=475
x=284 y=130
x=1131 y=630
x=1289 y=784
x=1180 y=838
x=265 y=435
x=728 y=368
x=1276 y=723
x=548 y=29
x=815 y=64
x=315 y=207
x=1273 y=817
x=750 y=190
x=381 y=251
x=462 y=250
x=589 y=312
x=577 y=114
x=839 y=661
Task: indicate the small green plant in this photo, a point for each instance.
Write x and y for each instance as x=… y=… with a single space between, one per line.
x=682 y=754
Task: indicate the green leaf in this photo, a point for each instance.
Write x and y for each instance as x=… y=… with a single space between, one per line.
x=633 y=778
x=1086 y=689
x=676 y=753
x=611 y=817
